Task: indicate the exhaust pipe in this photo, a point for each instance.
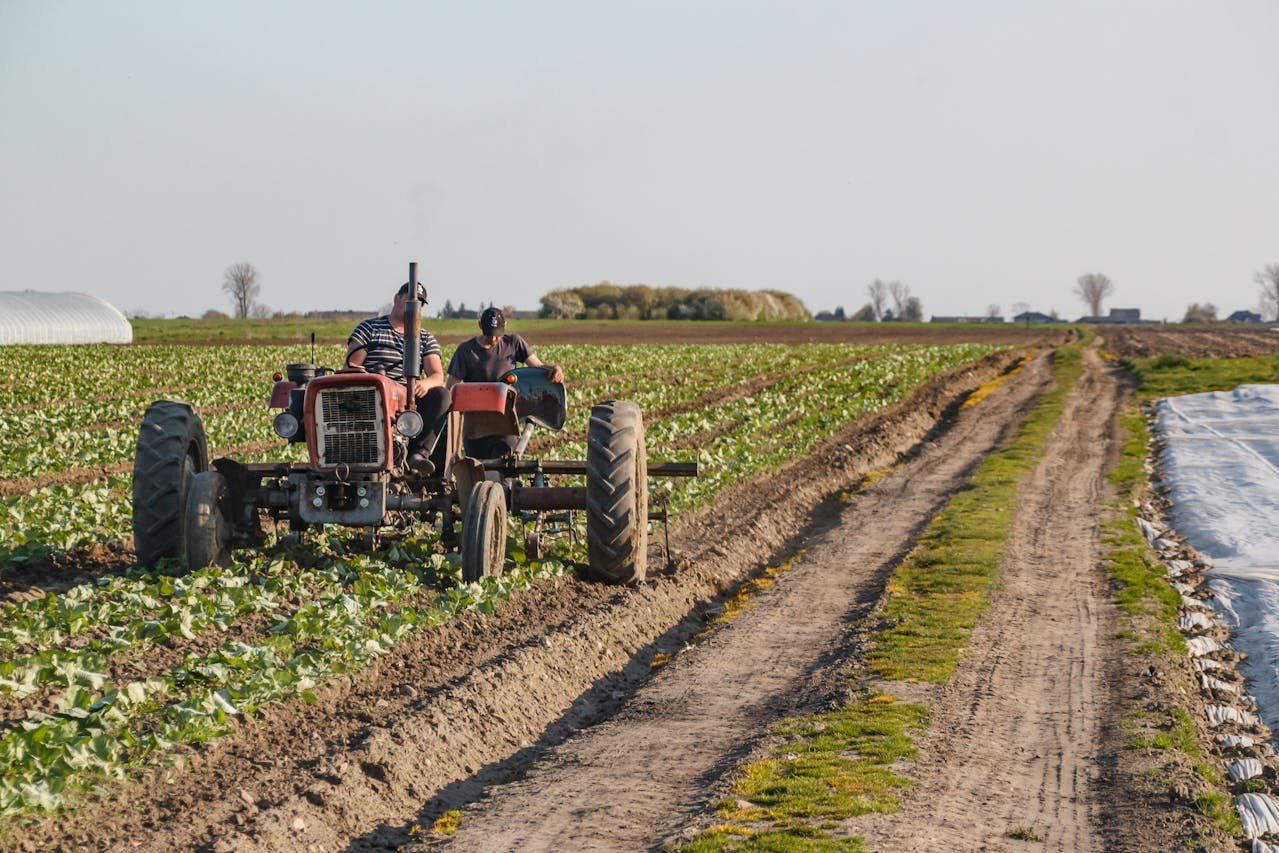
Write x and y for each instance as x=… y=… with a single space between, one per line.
x=412 y=338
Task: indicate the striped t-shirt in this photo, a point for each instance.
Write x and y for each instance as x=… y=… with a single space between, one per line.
x=384 y=347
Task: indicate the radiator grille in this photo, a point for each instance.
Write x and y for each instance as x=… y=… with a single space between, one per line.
x=350 y=426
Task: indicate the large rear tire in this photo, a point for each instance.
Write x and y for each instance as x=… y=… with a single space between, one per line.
x=484 y=532
x=171 y=450
x=208 y=525
x=617 y=493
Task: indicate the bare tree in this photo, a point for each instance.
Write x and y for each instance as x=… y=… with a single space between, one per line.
x=900 y=294
x=1019 y=308
x=240 y=281
x=913 y=310
x=878 y=293
x=1268 y=278
x=1093 y=288
x=992 y=311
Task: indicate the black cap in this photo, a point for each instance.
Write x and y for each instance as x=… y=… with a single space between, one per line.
x=407 y=286
x=492 y=321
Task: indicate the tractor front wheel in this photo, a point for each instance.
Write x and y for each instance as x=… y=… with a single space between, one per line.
x=484 y=532
x=617 y=493
x=208 y=527
x=172 y=450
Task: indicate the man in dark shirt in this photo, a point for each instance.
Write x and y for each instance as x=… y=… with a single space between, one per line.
x=377 y=345
x=487 y=357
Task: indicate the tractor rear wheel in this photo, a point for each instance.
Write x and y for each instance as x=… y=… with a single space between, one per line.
x=617 y=493
x=484 y=532
x=208 y=525
x=171 y=450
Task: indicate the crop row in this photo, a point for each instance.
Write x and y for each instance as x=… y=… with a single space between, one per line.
x=357 y=609
x=63 y=518
x=100 y=429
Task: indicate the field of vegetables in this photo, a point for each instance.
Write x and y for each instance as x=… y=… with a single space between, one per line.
x=128 y=668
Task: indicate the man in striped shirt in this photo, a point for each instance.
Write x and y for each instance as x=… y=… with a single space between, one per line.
x=377 y=345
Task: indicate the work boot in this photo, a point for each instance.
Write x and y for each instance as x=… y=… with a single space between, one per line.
x=420 y=462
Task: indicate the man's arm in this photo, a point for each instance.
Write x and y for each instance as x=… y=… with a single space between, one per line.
x=355 y=345
x=355 y=354
x=557 y=375
x=457 y=368
x=432 y=375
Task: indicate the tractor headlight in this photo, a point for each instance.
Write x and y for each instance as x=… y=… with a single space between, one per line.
x=409 y=424
x=285 y=425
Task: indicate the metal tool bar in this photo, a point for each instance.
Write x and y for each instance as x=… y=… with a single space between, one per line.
x=553 y=466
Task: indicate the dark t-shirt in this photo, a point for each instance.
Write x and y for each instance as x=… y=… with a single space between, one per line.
x=474 y=363
x=384 y=347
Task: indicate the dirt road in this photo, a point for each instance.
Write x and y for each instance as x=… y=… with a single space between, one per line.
x=1024 y=739
x=636 y=779
x=1019 y=734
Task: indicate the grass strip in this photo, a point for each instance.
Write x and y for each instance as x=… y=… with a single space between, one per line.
x=1142 y=590
x=935 y=597
x=1170 y=375
x=838 y=765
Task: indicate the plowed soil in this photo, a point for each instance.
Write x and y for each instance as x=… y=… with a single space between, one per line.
x=1224 y=341
x=545 y=722
x=592 y=332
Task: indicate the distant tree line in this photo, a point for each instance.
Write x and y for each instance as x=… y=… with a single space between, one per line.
x=461 y=312
x=903 y=306
x=607 y=301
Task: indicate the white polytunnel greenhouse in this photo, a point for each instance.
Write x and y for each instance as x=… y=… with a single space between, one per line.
x=32 y=317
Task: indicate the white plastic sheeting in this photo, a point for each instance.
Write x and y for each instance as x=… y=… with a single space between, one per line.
x=1244 y=768
x=1200 y=646
x=1220 y=715
x=1221 y=463
x=30 y=317
x=1259 y=813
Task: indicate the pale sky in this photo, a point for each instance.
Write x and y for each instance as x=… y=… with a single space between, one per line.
x=980 y=152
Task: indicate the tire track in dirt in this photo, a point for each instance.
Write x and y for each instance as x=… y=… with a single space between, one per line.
x=634 y=780
x=1017 y=735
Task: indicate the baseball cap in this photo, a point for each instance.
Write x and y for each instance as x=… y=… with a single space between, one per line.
x=406 y=287
x=492 y=321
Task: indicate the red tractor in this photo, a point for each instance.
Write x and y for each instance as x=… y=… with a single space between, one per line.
x=357 y=426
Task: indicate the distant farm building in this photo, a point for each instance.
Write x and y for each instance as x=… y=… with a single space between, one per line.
x=1034 y=317
x=939 y=318
x=30 y=317
x=1244 y=317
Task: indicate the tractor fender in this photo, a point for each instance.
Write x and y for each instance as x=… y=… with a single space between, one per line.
x=482 y=397
x=280 y=394
x=487 y=408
